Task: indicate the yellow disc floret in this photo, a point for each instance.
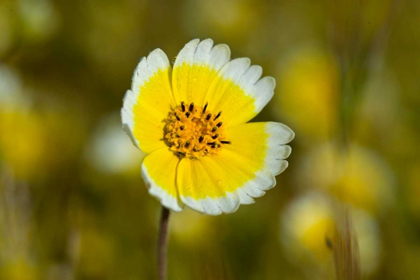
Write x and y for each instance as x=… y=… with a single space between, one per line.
x=192 y=131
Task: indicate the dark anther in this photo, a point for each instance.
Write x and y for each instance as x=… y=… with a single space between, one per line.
x=187 y=114
x=187 y=144
x=177 y=135
x=195 y=149
x=218 y=115
x=214 y=129
x=225 y=142
x=183 y=106
x=205 y=107
x=201 y=139
x=219 y=124
x=176 y=116
x=191 y=107
x=182 y=127
x=208 y=116
x=212 y=143
x=215 y=136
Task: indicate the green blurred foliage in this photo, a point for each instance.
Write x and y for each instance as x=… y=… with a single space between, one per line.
x=72 y=201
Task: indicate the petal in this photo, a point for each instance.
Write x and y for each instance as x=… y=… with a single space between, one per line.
x=239 y=92
x=148 y=102
x=204 y=186
x=195 y=68
x=241 y=171
x=159 y=173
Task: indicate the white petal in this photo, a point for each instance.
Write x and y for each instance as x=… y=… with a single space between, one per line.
x=153 y=102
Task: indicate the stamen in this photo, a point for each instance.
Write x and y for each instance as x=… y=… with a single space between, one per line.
x=192 y=131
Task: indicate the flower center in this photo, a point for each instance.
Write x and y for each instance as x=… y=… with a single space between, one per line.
x=192 y=131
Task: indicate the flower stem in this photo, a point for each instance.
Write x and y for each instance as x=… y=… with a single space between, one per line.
x=162 y=243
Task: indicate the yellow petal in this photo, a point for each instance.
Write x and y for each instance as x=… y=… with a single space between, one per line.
x=148 y=102
x=159 y=172
x=203 y=73
x=196 y=66
x=239 y=92
x=240 y=171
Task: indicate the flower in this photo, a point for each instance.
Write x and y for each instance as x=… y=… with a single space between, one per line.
x=191 y=124
x=355 y=175
x=307 y=233
x=310 y=80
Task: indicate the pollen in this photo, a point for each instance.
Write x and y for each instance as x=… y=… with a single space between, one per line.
x=192 y=131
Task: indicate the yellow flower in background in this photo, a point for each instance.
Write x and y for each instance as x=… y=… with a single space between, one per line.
x=309 y=80
x=307 y=233
x=191 y=123
x=355 y=175
x=23 y=148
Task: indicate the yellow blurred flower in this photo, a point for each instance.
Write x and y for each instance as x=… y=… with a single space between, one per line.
x=356 y=176
x=307 y=228
x=309 y=85
x=191 y=123
x=23 y=146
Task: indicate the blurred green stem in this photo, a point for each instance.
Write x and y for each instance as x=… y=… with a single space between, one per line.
x=162 y=243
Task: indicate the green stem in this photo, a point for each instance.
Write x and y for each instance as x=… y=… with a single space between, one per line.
x=162 y=243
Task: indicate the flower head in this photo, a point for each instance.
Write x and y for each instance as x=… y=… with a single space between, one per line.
x=190 y=121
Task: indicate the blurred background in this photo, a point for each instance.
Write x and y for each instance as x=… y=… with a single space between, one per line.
x=73 y=204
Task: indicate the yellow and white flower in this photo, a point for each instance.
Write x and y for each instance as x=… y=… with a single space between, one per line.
x=190 y=121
